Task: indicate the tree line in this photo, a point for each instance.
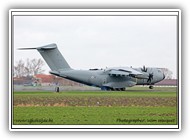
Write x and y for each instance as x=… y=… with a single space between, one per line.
x=28 y=67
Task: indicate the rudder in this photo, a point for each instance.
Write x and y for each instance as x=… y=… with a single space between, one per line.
x=53 y=57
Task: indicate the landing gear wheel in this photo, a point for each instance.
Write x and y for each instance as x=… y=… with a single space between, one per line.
x=151 y=87
x=122 y=89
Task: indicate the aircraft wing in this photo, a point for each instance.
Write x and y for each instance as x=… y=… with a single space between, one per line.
x=118 y=73
x=125 y=71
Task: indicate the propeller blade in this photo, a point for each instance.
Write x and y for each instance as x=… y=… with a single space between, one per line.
x=144 y=69
x=150 y=78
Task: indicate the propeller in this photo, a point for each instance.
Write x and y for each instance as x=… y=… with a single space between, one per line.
x=144 y=69
x=150 y=78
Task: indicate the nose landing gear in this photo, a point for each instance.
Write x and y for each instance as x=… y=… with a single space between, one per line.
x=151 y=87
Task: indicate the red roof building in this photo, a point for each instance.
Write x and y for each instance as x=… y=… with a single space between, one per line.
x=51 y=79
x=167 y=82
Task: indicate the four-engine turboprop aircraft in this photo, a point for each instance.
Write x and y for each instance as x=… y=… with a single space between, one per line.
x=116 y=78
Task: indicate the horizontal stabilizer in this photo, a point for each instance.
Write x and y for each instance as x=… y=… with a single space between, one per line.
x=27 y=48
x=46 y=47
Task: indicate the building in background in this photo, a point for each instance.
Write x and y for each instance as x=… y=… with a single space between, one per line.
x=43 y=80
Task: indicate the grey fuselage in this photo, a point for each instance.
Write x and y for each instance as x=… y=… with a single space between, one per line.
x=101 y=78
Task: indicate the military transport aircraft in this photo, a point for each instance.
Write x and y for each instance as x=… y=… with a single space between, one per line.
x=116 y=78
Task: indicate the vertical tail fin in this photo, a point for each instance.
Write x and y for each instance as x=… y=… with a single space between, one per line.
x=52 y=56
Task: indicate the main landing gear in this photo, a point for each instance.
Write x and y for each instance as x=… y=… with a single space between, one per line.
x=112 y=89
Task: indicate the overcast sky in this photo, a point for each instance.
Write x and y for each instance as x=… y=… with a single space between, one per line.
x=101 y=41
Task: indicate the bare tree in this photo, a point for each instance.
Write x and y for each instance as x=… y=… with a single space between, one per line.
x=36 y=66
x=19 y=69
x=168 y=73
x=28 y=68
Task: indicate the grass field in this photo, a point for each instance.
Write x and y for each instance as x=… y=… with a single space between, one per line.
x=134 y=106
